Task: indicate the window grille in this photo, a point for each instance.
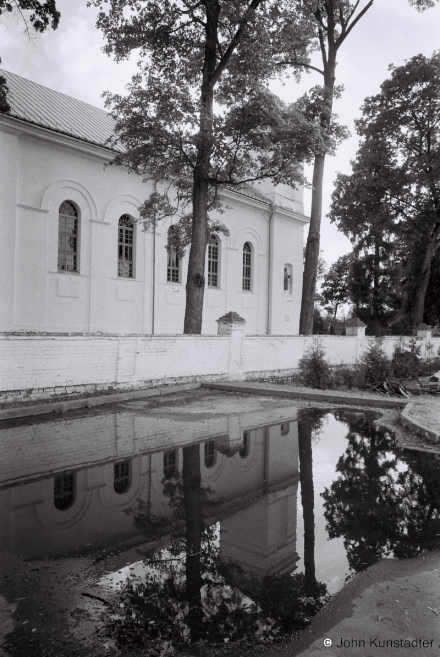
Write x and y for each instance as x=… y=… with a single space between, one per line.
x=213 y=261
x=64 y=491
x=125 y=246
x=173 y=265
x=169 y=463
x=247 y=266
x=121 y=480
x=209 y=453
x=67 y=237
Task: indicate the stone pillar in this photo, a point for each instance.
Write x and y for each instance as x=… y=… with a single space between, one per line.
x=424 y=331
x=356 y=328
x=233 y=325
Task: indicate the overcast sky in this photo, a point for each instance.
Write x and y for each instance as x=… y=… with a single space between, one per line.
x=70 y=60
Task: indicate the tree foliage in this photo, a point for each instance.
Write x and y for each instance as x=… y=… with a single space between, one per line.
x=198 y=116
x=405 y=117
x=36 y=17
x=334 y=20
x=389 y=205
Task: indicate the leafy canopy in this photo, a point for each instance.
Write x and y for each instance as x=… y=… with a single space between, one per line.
x=163 y=130
x=37 y=17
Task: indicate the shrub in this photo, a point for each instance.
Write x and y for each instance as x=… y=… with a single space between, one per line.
x=375 y=364
x=430 y=363
x=406 y=360
x=348 y=376
x=314 y=370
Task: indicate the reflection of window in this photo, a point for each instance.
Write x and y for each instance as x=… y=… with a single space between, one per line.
x=68 y=237
x=125 y=247
x=213 y=261
x=169 y=463
x=288 y=278
x=244 y=451
x=247 y=266
x=121 y=480
x=174 y=261
x=285 y=428
x=64 y=491
x=209 y=453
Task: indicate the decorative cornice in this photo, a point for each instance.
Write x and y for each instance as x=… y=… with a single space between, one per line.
x=60 y=140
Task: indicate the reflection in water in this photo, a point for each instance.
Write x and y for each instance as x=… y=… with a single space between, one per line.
x=385 y=501
x=190 y=591
x=214 y=504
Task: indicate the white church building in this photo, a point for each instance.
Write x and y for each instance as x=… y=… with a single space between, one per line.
x=74 y=259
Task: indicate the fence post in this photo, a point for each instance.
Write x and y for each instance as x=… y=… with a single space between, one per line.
x=233 y=325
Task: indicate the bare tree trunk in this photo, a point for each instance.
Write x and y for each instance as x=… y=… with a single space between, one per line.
x=423 y=281
x=314 y=236
x=312 y=250
x=195 y=284
x=377 y=325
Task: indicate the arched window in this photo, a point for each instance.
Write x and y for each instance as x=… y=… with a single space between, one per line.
x=209 y=453
x=288 y=278
x=64 y=491
x=121 y=477
x=247 y=266
x=174 y=261
x=125 y=246
x=244 y=451
x=213 y=261
x=68 y=225
x=169 y=463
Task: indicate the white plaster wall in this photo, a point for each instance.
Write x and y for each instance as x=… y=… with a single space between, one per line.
x=48 y=365
x=37 y=175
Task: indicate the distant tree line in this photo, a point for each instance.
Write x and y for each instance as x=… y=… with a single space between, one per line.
x=389 y=206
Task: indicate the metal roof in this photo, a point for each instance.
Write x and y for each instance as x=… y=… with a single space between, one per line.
x=33 y=103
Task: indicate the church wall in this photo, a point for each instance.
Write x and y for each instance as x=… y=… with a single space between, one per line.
x=8 y=209
x=39 y=174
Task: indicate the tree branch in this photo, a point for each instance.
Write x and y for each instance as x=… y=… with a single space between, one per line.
x=344 y=35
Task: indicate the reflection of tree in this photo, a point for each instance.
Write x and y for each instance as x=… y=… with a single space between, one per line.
x=190 y=593
x=307 y=498
x=194 y=528
x=377 y=504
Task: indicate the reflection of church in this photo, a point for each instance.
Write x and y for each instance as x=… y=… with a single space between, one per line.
x=91 y=469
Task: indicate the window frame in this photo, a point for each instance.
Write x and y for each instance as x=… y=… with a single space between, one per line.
x=119 y=478
x=170 y=471
x=123 y=246
x=171 y=268
x=247 y=279
x=76 y=236
x=287 y=278
x=70 y=496
x=214 y=243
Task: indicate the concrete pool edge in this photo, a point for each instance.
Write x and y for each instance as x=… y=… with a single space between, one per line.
x=24 y=411
x=276 y=390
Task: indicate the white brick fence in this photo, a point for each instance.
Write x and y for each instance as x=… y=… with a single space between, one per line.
x=44 y=365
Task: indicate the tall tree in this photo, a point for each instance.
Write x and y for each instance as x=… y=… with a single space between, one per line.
x=335 y=288
x=404 y=120
x=199 y=116
x=362 y=210
x=36 y=17
x=334 y=20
